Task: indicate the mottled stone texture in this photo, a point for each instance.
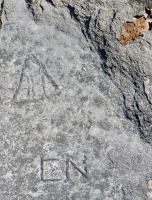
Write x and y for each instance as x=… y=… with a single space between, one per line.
x=75 y=105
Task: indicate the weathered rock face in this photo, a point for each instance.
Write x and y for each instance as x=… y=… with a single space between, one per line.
x=75 y=104
x=101 y=23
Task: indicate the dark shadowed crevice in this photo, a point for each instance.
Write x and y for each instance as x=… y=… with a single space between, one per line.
x=86 y=24
x=102 y=54
x=42 y=8
x=104 y=40
x=29 y=3
x=30 y=6
x=142 y=135
x=83 y=24
x=1 y=11
x=51 y=2
x=72 y=13
x=71 y=9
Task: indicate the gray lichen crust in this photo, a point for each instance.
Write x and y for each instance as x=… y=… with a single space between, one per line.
x=75 y=104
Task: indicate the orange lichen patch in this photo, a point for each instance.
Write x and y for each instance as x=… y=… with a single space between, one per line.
x=142 y=24
x=125 y=39
x=134 y=30
x=129 y=26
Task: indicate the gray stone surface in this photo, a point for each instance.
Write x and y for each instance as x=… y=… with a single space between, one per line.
x=75 y=105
